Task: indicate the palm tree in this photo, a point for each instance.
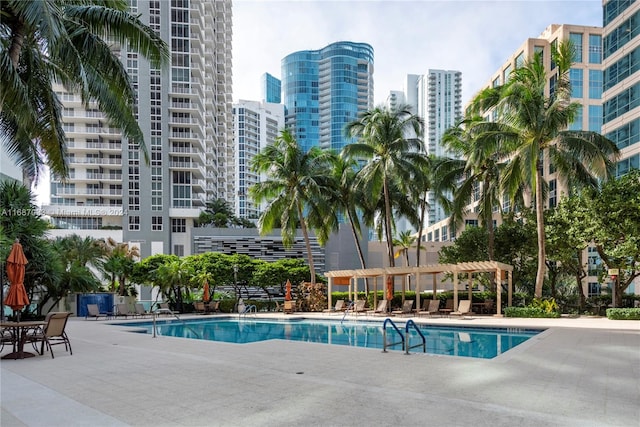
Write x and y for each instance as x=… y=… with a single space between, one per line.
x=537 y=124
x=405 y=241
x=389 y=140
x=348 y=200
x=68 y=42
x=473 y=175
x=296 y=191
x=118 y=263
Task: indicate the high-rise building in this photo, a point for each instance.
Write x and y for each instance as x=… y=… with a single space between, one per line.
x=586 y=82
x=325 y=89
x=184 y=111
x=256 y=125
x=436 y=97
x=621 y=82
x=271 y=89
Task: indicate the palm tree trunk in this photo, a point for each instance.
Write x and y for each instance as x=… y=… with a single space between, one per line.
x=541 y=235
x=15 y=49
x=423 y=212
x=387 y=223
x=358 y=249
x=305 y=233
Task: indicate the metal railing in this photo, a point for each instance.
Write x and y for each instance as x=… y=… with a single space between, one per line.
x=385 y=344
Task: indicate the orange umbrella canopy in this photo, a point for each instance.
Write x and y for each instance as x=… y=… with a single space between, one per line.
x=17 y=297
x=205 y=292
x=287 y=295
x=390 y=288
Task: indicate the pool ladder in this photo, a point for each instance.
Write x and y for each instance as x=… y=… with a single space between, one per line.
x=248 y=310
x=349 y=307
x=404 y=338
x=155 y=315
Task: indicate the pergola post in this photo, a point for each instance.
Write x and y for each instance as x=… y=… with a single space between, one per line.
x=435 y=286
x=499 y=292
x=470 y=293
x=455 y=290
x=329 y=287
x=510 y=288
x=417 y=291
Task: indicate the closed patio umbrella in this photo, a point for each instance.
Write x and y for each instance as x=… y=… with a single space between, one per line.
x=287 y=295
x=205 y=292
x=17 y=297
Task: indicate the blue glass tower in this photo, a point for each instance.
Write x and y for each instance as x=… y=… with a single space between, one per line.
x=326 y=89
x=271 y=89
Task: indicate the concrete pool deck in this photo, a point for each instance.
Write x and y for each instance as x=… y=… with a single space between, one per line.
x=579 y=372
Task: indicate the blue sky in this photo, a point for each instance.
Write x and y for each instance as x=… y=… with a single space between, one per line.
x=408 y=37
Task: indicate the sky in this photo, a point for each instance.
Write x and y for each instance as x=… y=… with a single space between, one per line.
x=408 y=37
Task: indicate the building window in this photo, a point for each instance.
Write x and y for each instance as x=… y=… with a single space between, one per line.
x=595 y=49
x=626 y=134
x=576 y=42
x=595 y=118
x=553 y=193
x=156 y=223
x=594 y=289
x=179 y=225
x=178 y=250
x=577 y=121
x=134 y=223
x=595 y=84
x=576 y=77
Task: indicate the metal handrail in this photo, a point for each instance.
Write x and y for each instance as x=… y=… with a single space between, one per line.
x=350 y=306
x=407 y=347
x=248 y=309
x=384 y=335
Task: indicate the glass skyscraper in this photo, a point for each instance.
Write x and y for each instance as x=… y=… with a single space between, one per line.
x=271 y=89
x=621 y=80
x=326 y=89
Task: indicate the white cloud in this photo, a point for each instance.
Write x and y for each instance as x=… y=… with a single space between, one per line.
x=408 y=37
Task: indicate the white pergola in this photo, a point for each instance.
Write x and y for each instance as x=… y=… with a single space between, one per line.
x=351 y=277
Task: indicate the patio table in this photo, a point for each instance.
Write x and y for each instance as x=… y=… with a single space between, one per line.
x=20 y=330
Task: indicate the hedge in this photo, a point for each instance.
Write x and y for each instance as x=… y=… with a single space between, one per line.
x=623 y=313
x=529 y=312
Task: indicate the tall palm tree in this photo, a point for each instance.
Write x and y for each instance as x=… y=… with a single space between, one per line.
x=68 y=42
x=538 y=118
x=347 y=199
x=296 y=191
x=389 y=140
x=473 y=174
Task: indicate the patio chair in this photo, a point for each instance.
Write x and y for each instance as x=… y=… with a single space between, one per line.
x=140 y=311
x=407 y=306
x=212 y=307
x=381 y=309
x=123 y=310
x=199 y=307
x=431 y=307
x=7 y=337
x=289 y=307
x=338 y=307
x=52 y=333
x=464 y=308
x=94 y=311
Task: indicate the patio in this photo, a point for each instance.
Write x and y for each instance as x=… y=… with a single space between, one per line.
x=580 y=372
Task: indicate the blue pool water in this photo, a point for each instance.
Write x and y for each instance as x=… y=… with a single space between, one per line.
x=485 y=343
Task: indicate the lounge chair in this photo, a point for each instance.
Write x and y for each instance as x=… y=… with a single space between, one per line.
x=140 y=311
x=358 y=306
x=212 y=307
x=448 y=308
x=123 y=310
x=164 y=309
x=431 y=307
x=199 y=307
x=338 y=307
x=381 y=309
x=94 y=311
x=7 y=337
x=407 y=306
x=53 y=333
x=464 y=308
x=289 y=307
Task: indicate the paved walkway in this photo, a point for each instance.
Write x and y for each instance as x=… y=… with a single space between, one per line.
x=580 y=372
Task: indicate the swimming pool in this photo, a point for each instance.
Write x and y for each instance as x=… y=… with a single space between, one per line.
x=485 y=343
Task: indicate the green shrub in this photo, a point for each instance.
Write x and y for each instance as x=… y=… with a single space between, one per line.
x=623 y=313
x=529 y=312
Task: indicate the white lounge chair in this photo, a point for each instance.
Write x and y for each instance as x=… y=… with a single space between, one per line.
x=464 y=308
